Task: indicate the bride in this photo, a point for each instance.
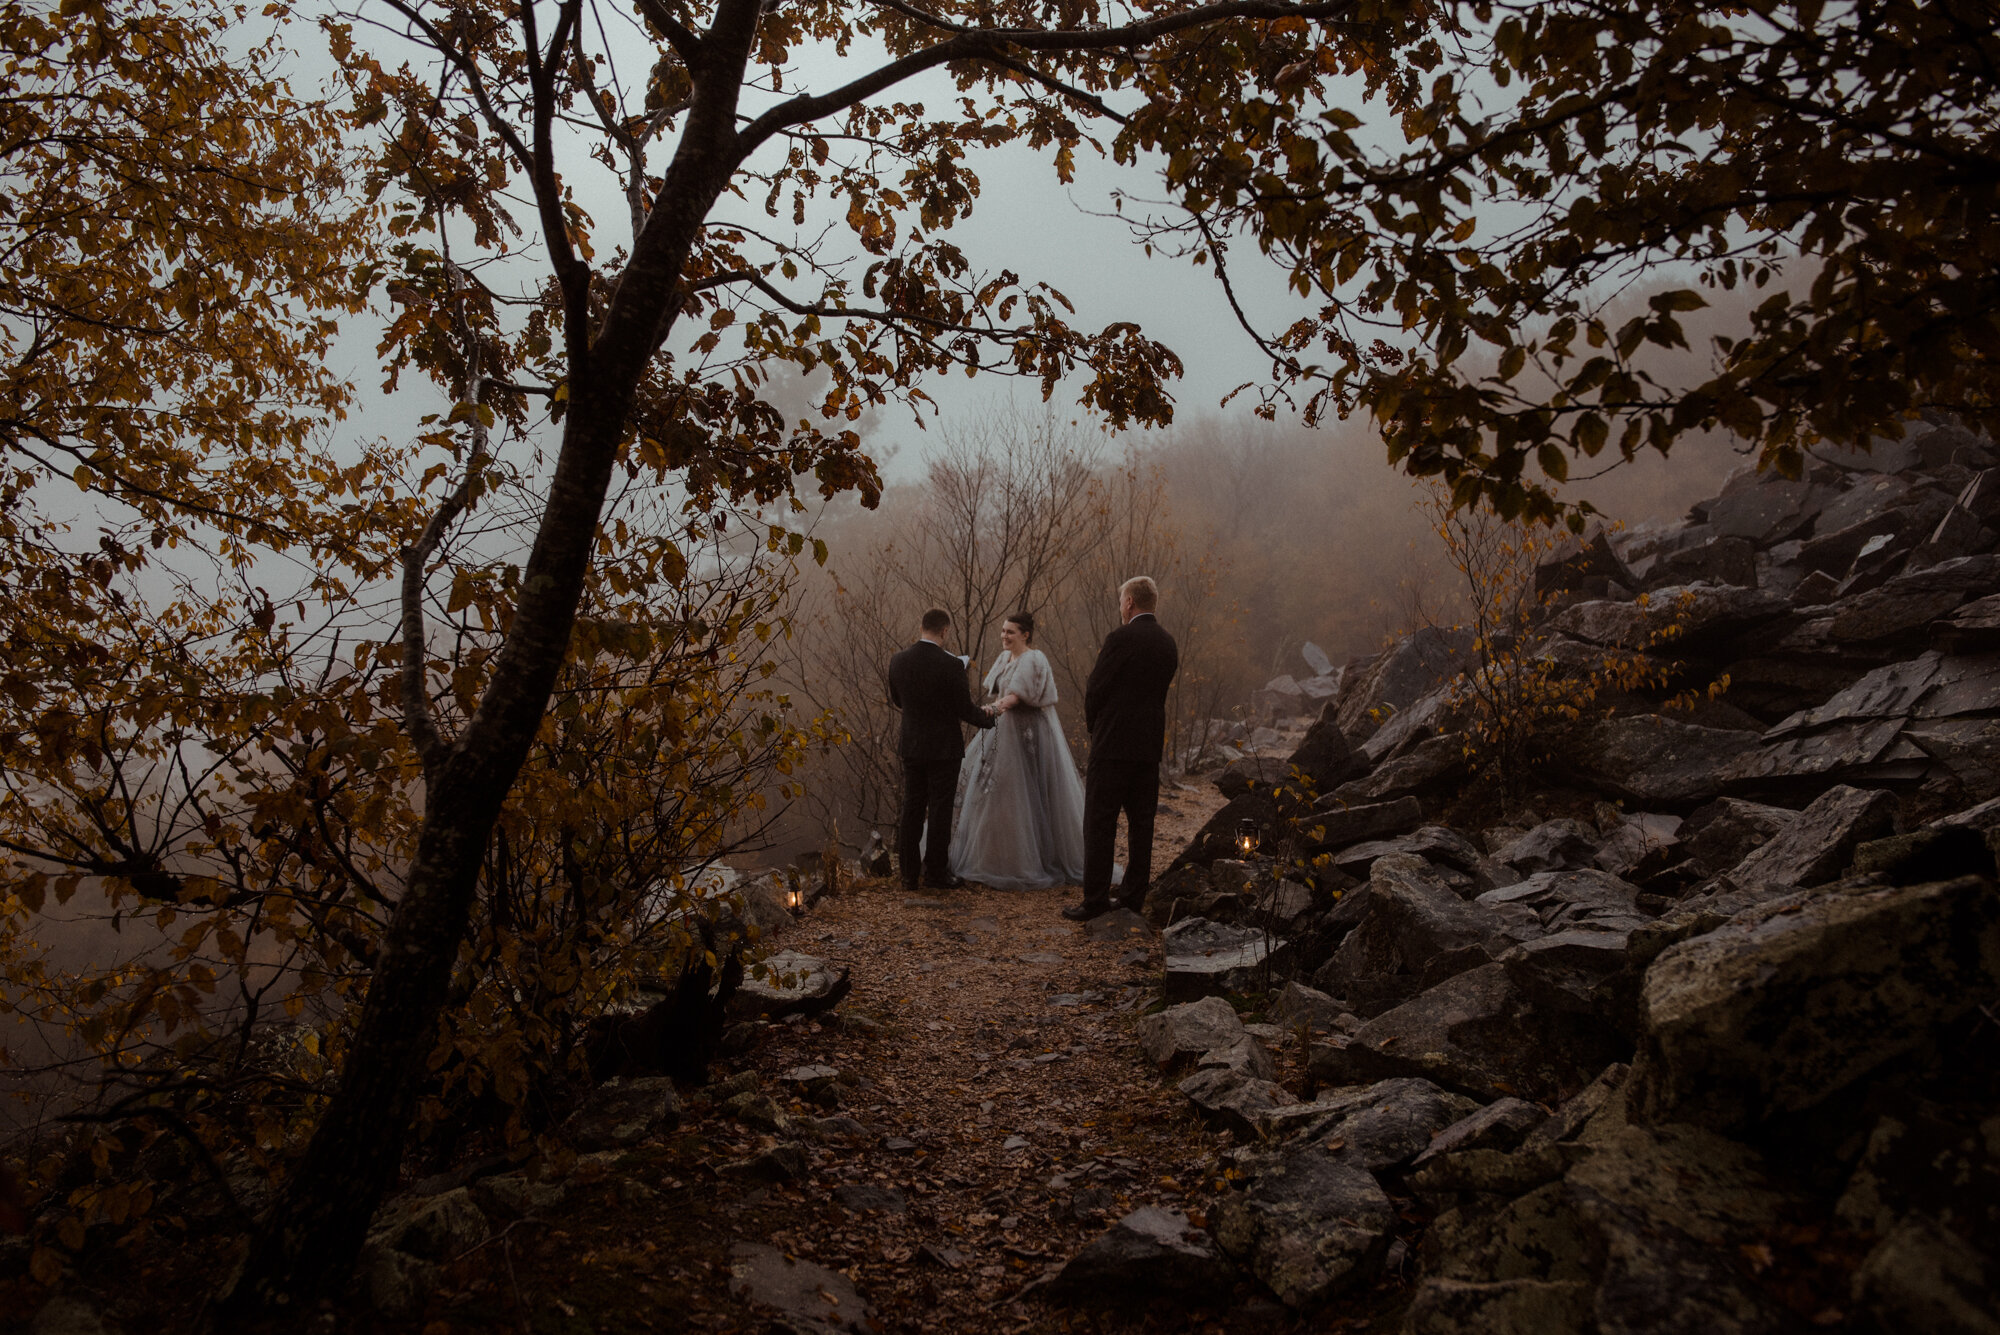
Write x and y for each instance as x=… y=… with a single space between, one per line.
x=1021 y=826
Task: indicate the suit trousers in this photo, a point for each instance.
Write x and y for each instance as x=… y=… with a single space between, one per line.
x=929 y=788
x=1110 y=787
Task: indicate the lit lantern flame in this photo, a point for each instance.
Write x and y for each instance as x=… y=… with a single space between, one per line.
x=795 y=899
x=1246 y=837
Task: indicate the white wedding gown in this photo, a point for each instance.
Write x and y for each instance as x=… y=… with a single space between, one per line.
x=1020 y=826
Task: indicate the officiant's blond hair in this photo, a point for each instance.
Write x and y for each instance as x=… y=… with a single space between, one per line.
x=1145 y=594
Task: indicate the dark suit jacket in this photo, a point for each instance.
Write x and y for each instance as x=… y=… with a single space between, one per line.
x=1125 y=701
x=927 y=682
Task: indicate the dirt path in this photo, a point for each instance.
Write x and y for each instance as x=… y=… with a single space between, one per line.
x=991 y=1114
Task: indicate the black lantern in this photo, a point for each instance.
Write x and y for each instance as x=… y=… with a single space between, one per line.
x=795 y=899
x=1246 y=837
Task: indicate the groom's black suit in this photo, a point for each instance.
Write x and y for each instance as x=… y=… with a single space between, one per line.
x=927 y=682
x=1125 y=708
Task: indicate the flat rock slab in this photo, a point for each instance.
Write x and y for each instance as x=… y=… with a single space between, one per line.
x=1307 y=1225
x=810 y=1296
x=1819 y=844
x=1207 y=959
x=1652 y=760
x=1384 y=1125
x=1117 y=925
x=1233 y=1101
x=1334 y=824
x=1148 y=1254
x=1501 y=1125
x=792 y=980
x=862 y=1198
x=1776 y=1012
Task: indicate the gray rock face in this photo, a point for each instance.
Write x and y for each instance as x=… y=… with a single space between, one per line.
x=1402 y=676
x=1562 y=901
x=1481 y=1034
x=619 y=1113
x=1240 y=776
x=1246 y=1057
x=1677 y=617
x=808 y=1297
x=1500 y=1307
x=1819 y=844
x=1652 y=760
x=64 y=1315
x=1324 y=755
x=1417 y=932
x=1636 y=838
x=1182 y=1034
x=1208 y=959
x=1777 y=1012
x=1149 y=1253
x=1307 y=1225
x=1434 y=843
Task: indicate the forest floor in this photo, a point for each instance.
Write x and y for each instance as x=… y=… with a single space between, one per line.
x=999 y=1116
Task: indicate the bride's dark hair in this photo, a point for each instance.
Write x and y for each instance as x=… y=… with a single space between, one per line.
x=1025 y=623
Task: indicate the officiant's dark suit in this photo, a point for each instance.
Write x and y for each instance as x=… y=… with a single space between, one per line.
x=1125 y=708
x=927 y=682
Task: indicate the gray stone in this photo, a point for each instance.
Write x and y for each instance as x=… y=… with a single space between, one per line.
x=1768 y=512
x=862 y=1198
x=1923 y=1278
x=436 y=1228
x=1324 y=755
x=1240 y=776
x=1554 y=845
x=1433 y=843
x=1582 y=563
x=1973 y=628
x=1438 y=712
x=789 y=980
x=1207 y=959
x=1910 y=601
x=1778 y=1011
x=1969 y=748
x=1652 y=760
x=784 y=1162
x=1387 y=1124
x=1417 y=931
x=1150 y=1253
x=1724 y=832
x=1586 y=899
x=620 y=1113
x=1307 y=1225
x=1407 y=672
x=1181 y=1034
x=1481 y=1033
x=1119 y=924
x=1427 y=767
x=513 y=1195
x=397 y=1284
x=1501 y=1125
x=1336 y=825
x=810 y=1297
x=1316 y=659
x=1721 y=560
x=1246 y=1056
x=1818 y=845
x=1921 y=1162
x=1232 y=1101
x=1296 y=1004
x=1677 y=617
x=1637 y=837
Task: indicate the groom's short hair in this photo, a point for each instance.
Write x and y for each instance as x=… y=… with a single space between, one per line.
x=937 y=621
x=1145 y=594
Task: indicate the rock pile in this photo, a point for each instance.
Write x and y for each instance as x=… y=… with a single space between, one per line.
x=1716 y=1048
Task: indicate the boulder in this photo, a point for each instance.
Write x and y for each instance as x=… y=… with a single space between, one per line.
x=1768 y=511
x=1648 y=837
x=1246 y=1057
x=436 y=1228
x=1582 y=564
x=1417 y=931
x=1973 y=628
x=1481 y=1033
x=1324 y=755
x=1775 y=1012
x=1295 y=1004
x=789 y=981
x=1720 y=560
x=1208 y=959
x=1385 y=1125
x=1820 y=843
x=1439 y=712
x=1233 y=1101
x=1653 y=760
x=1404 y=674
x=1587 y=899
x=621 y=1113
x=1148 y=1254
x=1425 y=768
x=1307 y=1225
x=1181 y=892
x=1500 y=1307
x=1921 y=1162
x=1335 y=824
x=1241 y=776
x=1727 y=830
x=1554 y=845
x=1680 y=616
x=1433 y=843
x=1923 y=1278
x=1182 y=1034
x=1217 y=839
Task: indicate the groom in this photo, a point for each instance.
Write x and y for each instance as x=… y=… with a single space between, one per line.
x=1125 y=708
x=927 y=682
